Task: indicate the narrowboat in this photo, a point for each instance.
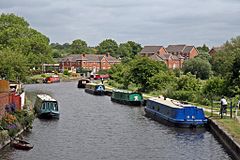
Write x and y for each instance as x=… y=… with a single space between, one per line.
x=96 y=89
x=82 y=83
x=52 y=79
x=127 y=97
x=46 y=107
x=174 y=113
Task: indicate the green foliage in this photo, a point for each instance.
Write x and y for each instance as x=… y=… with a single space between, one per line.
x=214 y=87
x=162 y=81
x=204 y=48
x=204 y=56
x=65 y=72
x=13 y=66
x=142 y=69
x=124 y=50
x=199 y=67
x=78 y=46
x=136 y=48
x=108 y=46
x=22 y=43
x=188 y=82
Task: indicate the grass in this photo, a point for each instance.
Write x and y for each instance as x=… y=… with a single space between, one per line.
x=231 y=125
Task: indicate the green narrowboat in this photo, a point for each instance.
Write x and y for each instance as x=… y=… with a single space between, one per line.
x=127 y=97
x=96 y=89
x=46 y=107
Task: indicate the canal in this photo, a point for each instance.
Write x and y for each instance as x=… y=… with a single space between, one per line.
x=93 y=128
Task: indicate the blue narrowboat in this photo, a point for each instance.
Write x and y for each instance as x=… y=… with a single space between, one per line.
x=174 y=113
x=46 y=107
x=96 y=89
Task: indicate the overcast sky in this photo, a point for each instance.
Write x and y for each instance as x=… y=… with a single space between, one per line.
x=148 y=22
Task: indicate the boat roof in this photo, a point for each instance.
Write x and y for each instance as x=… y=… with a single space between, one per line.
x=123 y=91
x=45 y=97
x=94 y=84
x=170 y=102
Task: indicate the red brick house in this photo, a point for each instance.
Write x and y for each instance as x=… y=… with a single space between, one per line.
x=185 y=51
x=88 y=61
x=159 y=53
x=151 y=50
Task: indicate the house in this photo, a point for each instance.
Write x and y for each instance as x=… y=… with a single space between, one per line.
x=214 y=50
x=185 y=51
x=88 y=61
x=159 y=53
x=151 y=50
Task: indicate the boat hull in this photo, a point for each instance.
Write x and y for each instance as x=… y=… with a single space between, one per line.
x=95 y=92
x=125 y=102
x=48 y=115
x=157 y=116
x=22 y=145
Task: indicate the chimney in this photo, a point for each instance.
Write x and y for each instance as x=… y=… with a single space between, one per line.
x=83 y=54
x=107 y=54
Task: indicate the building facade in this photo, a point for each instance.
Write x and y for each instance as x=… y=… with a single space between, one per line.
x=173 y=56
x=88 y=61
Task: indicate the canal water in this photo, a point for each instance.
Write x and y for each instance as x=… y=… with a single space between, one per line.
x=94 y=128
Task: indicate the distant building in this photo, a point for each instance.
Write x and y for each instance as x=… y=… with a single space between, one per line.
x=214 y=50
x=185 y=51
x=88 y=61
x=151 y=50
x=159 y=53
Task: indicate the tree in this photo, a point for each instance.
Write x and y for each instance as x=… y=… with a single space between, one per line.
x=215 y=86
x=108 y=46
x=142 y=69
x=204 y=48
x=199 y=67
x=162 y=81
x=16 y=35
x=79 y=46
x=136 y=48
x=124 y=50
x=13 y=68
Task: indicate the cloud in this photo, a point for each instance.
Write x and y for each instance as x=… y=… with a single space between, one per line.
x=160 y=22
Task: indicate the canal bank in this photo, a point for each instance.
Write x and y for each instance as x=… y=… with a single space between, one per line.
x=225 y=138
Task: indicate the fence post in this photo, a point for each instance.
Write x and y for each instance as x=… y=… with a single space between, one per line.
x=231 y=109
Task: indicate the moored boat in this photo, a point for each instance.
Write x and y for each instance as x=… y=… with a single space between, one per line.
x=127 y=97
x=174 y=113
x=96 y=89
x=21 y=144
x=82 y=83
x=46 y=107
x=52 y=79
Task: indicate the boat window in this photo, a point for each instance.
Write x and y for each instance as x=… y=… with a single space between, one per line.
x=43 y=106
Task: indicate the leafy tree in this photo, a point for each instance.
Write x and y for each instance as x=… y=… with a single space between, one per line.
x=204 y=48
x=13 y=68
x=78 y=46
x=162 y=81
x=124 y=50
x=16 y=34
x=215 y=86
x=108 y=46
x=204 y=56
x=142 y=69
x=188 y=82
x=136 y=48
x=199 y=67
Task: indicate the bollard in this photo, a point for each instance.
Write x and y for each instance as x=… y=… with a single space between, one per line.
x=231 y=109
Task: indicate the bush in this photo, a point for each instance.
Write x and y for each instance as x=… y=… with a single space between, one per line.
x=65 y=72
